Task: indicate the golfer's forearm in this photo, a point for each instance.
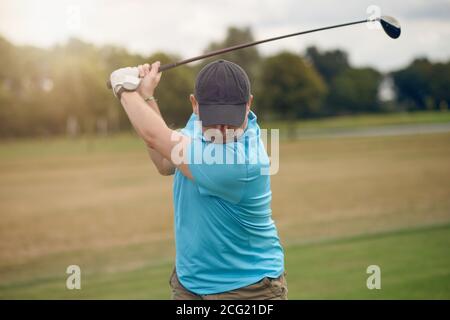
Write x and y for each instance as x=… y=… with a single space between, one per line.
x=154 y=105
x=164 y=166
x=146 y=121
x=154 y=131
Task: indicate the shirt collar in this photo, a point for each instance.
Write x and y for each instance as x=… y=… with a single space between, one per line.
x=194 y=131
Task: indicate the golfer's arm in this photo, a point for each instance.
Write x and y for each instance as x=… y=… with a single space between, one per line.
x=150 y=126
x=165 y=167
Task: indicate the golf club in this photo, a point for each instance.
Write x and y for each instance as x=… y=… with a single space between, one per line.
x=389 y=24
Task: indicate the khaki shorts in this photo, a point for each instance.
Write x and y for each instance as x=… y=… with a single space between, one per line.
x=266 y=289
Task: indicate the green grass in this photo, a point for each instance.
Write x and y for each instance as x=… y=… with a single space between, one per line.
x=415 y=264
x=123 y=143
x=367 y=120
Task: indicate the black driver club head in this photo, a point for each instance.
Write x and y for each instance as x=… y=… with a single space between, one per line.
x=391 y=26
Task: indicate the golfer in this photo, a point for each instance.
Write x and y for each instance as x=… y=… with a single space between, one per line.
x=227 y=246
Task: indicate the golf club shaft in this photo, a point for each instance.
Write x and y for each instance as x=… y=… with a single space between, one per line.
x=168 y=66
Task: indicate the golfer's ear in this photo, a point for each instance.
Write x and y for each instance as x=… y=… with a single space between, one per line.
x=249 y=103
x=194 y=104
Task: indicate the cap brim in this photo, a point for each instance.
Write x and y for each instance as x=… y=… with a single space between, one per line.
x=231 y=115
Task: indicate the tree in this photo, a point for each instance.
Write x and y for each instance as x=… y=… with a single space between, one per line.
x=79 y=88
x=329 y=63
x=290 y=87
x=350 y=89
x=413 y=84
x=354 y=91
x=440 y=85
x=173 y=91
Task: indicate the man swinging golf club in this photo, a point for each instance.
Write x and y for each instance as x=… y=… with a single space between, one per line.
x=227 y=245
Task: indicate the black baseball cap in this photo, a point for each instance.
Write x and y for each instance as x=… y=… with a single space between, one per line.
x=222 y=89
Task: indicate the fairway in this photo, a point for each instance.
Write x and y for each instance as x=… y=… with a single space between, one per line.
x=329 y=270
x=340 y=205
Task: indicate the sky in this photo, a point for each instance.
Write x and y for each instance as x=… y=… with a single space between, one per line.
x=187 y=27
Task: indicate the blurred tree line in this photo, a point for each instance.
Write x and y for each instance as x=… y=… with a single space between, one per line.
x=62 y=90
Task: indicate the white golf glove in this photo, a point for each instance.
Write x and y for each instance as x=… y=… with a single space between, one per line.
x=125 y=79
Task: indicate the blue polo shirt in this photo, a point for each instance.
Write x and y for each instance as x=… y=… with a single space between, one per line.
x=224 y=233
